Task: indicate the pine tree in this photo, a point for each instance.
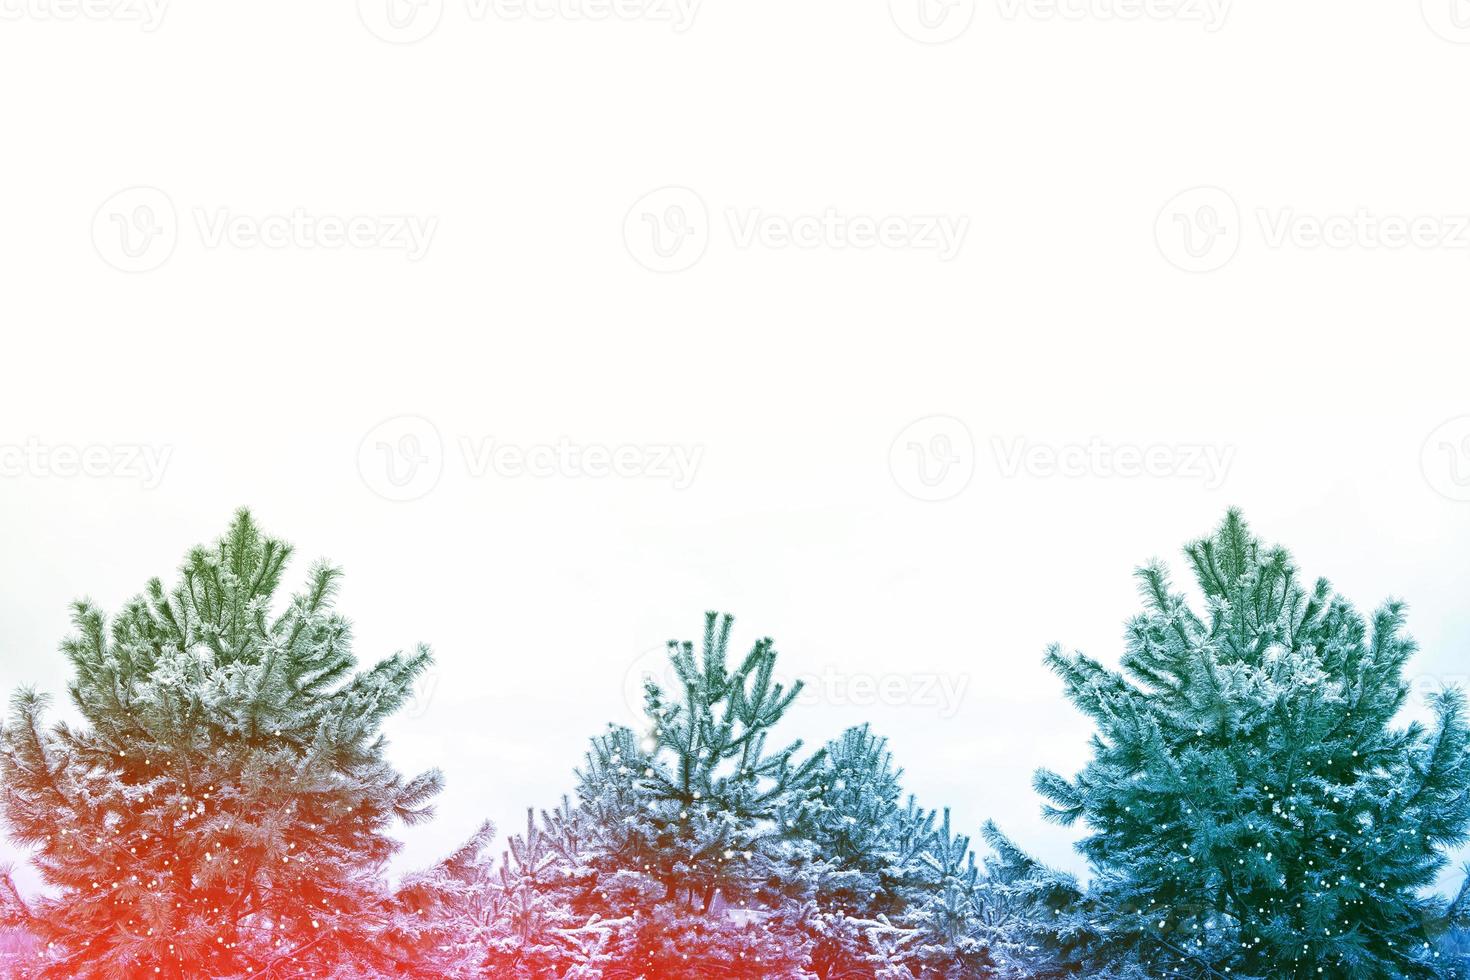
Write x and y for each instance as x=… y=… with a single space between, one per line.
x=860 y=860
x=536 y=932
x=897 y=895
x=947 y=907
x=1039 y=923
x=1255 y=806
x=672 y=862
x=448 y=913
x=691 y=851
x=221 y=811
x=18 y=946
x=1454 y=941
x=692 y=808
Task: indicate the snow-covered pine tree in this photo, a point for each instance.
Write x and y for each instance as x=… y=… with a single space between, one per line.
x=946 y=908
x=536 y=931
x=1256 y=806
x=448 y=913
x=18 y=946
x=220 y=812
x=1039 y=923
x=896 y=895
x=536 y=912
x=679 y=868
x=1454 y=942
x=860 y=860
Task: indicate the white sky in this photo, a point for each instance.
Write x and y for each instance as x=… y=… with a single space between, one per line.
x=791 y=371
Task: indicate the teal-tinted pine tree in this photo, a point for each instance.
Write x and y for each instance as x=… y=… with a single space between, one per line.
x=1041 y=924
x=861 y=857
x=945 y=909
x=1256 y=806
x=896 y=894
x=685 y=817
x=672 y=862
x=899 y=894
x=220 y=811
